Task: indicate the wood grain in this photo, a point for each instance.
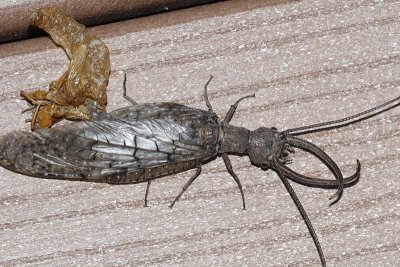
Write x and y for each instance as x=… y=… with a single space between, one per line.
x=307 y=62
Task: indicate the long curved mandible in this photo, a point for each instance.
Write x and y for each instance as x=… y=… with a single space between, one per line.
x=318 y=182
x=319 y=153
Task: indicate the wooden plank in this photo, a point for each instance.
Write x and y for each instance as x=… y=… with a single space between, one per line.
x=307 y=62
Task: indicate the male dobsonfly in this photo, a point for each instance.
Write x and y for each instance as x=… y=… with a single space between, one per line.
x=143 y=142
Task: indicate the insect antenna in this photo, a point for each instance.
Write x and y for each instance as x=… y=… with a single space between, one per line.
x=302 y=211
x=210 y=109
x=345 y=121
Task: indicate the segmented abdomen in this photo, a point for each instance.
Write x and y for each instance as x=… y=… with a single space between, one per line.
x=151 y=173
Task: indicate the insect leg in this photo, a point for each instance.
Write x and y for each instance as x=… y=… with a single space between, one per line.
x=147 y=193
x=36 y=97
x=228 y=165
x=233 y=108
x=206 y=95
x=133 y=102
x=197 y=173
x=28 y=109
x=302 y=212
x=33 y=122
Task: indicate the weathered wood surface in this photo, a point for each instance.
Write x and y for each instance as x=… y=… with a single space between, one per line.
x=14 y=14
x=307 y=62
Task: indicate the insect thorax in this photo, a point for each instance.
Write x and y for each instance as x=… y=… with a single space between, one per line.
x=234 y=139
x=263 y=146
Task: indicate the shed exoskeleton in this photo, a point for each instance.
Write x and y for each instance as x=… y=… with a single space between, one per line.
x=81 y=89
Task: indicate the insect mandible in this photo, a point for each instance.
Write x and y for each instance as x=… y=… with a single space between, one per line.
x=143 y=142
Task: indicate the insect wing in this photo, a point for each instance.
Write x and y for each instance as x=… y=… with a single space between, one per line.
x=127 y=140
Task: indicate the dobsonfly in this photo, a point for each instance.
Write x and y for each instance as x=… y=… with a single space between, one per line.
x=143 y=142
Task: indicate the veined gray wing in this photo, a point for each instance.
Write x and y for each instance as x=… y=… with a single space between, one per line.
x=127 y=140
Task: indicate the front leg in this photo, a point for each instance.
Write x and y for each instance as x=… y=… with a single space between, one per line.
x=228 y=165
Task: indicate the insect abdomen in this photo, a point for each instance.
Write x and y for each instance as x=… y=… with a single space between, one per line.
x=147 y=174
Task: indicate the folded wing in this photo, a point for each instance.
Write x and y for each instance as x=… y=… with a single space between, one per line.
x=126 y=140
